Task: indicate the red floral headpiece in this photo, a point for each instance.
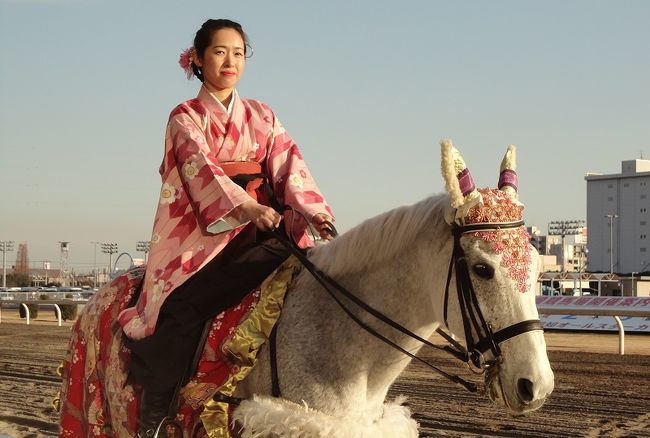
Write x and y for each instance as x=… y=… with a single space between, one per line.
x=185 y=61
x=514 y=243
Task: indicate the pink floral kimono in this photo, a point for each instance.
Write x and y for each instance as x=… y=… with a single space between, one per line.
x=194 y=220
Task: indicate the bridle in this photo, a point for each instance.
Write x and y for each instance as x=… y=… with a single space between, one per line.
x=473 y=319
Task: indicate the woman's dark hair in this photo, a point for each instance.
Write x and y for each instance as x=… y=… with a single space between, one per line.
x=204 y=35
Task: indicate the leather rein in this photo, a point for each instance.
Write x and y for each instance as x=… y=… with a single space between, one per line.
x=473 y=319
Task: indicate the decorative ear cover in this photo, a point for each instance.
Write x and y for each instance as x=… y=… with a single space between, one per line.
x=508 y=181
x=458 y=181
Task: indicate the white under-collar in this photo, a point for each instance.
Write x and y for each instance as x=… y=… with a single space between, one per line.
x=232 y=100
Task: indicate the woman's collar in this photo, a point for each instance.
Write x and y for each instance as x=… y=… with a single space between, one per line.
x=214 y=103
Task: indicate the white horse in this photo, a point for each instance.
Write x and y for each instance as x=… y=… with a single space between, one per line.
x=334 y=376
x=398 y=262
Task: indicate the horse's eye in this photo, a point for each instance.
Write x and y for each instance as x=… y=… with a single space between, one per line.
x=484 y=271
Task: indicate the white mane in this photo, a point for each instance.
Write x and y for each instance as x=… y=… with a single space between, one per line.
x=359 y=248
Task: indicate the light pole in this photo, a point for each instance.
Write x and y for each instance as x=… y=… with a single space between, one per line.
x=6 y=245
x=581 y=267
x=46 y=267
x=110 y=249
x=611 y=217
x=633 y=287
x=143 y=246
x=95 y=262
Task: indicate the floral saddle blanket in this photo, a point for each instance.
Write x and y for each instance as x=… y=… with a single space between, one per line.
x=97 y=401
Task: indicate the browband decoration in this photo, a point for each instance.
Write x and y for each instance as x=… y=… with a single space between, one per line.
x=487 y=226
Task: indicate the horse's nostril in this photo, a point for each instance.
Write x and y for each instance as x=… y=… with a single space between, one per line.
x=525 y=388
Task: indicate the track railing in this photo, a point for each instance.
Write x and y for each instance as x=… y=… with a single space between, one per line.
x=39 y=303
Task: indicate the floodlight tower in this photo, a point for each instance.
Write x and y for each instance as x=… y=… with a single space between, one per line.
x=110 y=249
x=143 y=246
x=565 y=228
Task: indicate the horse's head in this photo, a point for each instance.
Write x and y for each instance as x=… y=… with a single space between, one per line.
x=496 y=268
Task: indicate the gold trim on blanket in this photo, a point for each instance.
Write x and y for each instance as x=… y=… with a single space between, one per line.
x=241 y=350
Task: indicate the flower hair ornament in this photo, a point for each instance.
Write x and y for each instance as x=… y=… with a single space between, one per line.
x=185 y=61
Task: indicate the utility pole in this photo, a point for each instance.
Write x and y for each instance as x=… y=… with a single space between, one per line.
x=95 y=262
x=5 y=246
x=611 y=217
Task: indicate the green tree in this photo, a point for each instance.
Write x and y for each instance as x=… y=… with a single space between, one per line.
x=18 y=280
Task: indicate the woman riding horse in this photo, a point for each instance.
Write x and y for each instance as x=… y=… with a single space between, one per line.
x=210 y=244
x=460 y=260
x=332 y=376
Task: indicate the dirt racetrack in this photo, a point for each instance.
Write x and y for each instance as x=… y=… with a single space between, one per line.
x=597 y=392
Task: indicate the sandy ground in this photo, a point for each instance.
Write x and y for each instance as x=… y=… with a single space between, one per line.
x=598 y=393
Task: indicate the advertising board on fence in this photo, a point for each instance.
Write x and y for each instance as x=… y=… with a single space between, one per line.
x=595 y=313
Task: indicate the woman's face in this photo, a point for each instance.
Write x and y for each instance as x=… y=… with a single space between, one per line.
x=223 y=61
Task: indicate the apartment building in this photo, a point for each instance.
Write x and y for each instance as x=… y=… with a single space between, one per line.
x=618 y=216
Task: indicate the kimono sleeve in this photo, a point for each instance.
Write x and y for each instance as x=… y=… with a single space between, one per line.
x=213 y=195
x=293 y=183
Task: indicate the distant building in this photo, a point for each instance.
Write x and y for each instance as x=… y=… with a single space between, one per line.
x=622 y=199
x=553 y=256
x=548 y=262
x=42 y=277
x=22 y=260
x=538 y=240
x=573 y=256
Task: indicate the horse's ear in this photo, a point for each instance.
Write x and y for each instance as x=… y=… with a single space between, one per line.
x=508 y=177
x=458 y=181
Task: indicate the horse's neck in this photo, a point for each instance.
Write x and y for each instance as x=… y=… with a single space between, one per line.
x=344 y=365
x=409 y=291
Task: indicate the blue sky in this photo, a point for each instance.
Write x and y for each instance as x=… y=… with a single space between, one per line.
x=366 y=88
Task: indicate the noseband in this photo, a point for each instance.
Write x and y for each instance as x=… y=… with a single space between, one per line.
x=474 y=323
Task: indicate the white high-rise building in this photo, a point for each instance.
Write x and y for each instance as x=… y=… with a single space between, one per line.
x=621 y=200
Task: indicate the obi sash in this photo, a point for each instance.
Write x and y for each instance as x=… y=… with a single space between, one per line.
x=246 y=174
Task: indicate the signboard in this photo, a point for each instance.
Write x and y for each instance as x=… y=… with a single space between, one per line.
x=594 y=313
x=588 y=301
x=595 y=323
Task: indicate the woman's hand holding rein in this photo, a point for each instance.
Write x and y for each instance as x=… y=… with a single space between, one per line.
x=267 y=219
x=320 y=221
x=264 y=218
